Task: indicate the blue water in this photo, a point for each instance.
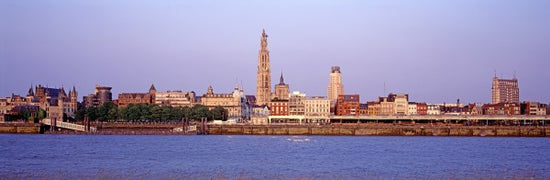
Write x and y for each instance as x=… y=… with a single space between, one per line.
x=69 y=156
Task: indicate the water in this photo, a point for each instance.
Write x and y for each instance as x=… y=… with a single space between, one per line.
x=131 y=156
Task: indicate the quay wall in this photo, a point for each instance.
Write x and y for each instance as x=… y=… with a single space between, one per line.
x=20 y=128
x=322 y=130
x=347 y=130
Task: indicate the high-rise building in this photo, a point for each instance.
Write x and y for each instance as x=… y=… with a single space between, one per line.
x=263 y=88
x=101 y=95
x=504 y=91
x=335 y=86
x=281 y=90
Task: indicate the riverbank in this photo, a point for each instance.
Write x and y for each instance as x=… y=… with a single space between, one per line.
x=20 y=128
x=153 y=128
x=380 y=130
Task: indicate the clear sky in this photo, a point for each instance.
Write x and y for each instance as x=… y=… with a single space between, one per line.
x=436 y=51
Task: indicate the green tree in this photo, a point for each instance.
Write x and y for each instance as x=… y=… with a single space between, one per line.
x=218 y=113
x=156 y=112
x=92 y=113
x=107 y=112
x=198 y=111
x=25 y=114
x=80 y=114
x=121 y=113
x=40 y=114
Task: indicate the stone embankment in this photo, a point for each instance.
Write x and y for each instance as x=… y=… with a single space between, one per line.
x=157 y=128
x=20 y=128
x=380 y=130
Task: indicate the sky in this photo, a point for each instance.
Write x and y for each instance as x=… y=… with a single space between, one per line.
x=436 y=51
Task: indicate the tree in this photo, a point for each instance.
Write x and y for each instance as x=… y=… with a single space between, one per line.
x=40 y=114
x=80 y=114
x=219 y=113
x=93 y=113
x=25 y=114
x=198 y=111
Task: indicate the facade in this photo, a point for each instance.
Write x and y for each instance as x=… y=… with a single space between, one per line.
x=347 y=105
x=363 y=109
x=259 y=114
x=373 y=108
x=263 y=84
x=335 y=87
x=422 y=109
x=281 y=90
x=296 y=104
x=387 y=108
x=413 y=109
x=401 y=103
x=5 y=106
x=54 y=101
x=433 y=109
x=234 y=103
x=317 y=108
x=533 y=108
x=136 y=98
x=473 y=109
x=175 y=98
x=502 y=109
x=101 y=95
x=504 y=91
x=279 y=108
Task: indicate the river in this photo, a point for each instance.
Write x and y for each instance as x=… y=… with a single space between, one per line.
x=268 y=157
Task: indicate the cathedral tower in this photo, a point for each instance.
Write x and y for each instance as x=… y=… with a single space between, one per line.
x=263 y=88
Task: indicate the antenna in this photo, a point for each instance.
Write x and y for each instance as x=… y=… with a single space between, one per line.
x=514 y=74
x=384 y=88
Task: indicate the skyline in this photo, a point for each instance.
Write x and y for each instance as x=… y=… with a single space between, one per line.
x=409 y=50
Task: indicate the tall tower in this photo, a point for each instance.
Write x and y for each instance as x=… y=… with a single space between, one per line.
x=153 y=94
x=263 y=85
x=504 y=90
x=335 y=86
x=281 y=90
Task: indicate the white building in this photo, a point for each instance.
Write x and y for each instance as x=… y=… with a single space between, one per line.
x=412 y=109
x=335 y=86
x=317 y=109
x=175 y=98
x=434 y=109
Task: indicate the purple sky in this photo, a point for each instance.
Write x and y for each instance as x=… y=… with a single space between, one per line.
x=436 y=51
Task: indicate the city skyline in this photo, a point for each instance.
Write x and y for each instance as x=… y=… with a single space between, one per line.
x=61 y=51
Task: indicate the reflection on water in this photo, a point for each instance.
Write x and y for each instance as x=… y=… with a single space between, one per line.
x=325 y=157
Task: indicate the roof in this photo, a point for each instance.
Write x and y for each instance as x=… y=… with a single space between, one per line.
x=52 y=92
x=132 y=95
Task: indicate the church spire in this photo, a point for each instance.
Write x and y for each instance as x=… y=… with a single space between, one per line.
x=282 y=80
x=263 y=86
x=264 y=40
x=31 y=92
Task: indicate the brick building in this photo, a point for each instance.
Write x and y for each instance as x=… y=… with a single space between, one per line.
x=347 y=105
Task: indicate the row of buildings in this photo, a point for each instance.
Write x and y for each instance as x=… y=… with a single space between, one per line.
x=279 y=104
x=55 y=101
